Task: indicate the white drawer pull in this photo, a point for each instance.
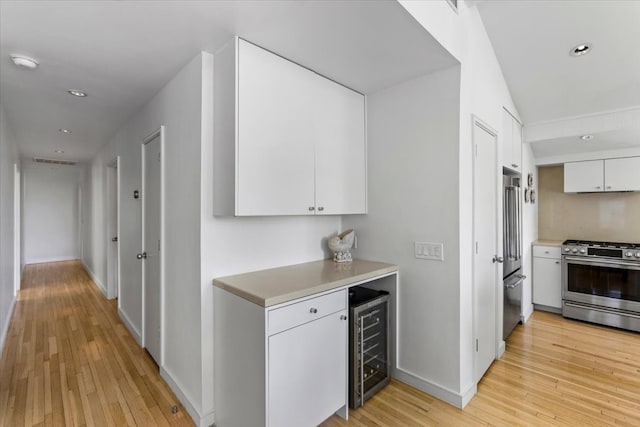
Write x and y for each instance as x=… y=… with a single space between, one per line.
x=313 y=310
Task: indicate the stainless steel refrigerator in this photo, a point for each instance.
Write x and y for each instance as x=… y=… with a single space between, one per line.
x=512 y=251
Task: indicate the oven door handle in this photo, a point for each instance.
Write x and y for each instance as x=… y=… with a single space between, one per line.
x=600 y=262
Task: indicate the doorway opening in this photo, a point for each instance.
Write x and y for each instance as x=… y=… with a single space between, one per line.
x=113 y=228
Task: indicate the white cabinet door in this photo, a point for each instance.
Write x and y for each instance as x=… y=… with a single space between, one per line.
x=340 y=150
x=585 y=176
x=547 y=279
x=516 y=145
x=307 y=372
x=622 y=174
x=511 y=142
x=275 y=143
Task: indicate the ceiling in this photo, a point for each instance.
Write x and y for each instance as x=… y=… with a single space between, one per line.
x=532 y=40
x=123 y=52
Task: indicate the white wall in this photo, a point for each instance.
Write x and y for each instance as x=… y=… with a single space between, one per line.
x=413 y=134
x=50 y=215
x=8 y=158
x=198 y=247
x=483 y=92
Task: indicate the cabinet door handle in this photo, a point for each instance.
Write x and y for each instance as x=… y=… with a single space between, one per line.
x=313 y=310
x=557 y=262
x=343 y=317
x=608 y=187
x=598 y=187
x=312 y=208
x=321 y=208
x=514 y=165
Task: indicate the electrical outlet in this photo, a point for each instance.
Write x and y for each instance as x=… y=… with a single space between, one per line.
x=429 y=250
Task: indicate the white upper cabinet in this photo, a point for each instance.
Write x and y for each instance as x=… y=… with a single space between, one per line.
x=602 y=175
x=287 y=141
x=622 y=174
x=511 y=142
x=583 y=176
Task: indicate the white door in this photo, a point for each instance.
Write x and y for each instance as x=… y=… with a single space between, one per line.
x=16 y=229
x=485 y=179
x=308 y=372
x=275 y=145
x=151 y=245
x=341 y=178
x=112 y=242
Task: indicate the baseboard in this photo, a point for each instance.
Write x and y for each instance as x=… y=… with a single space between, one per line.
x=95 y=279
x=436 y=390
x=548 y=309
x=7 y=323
x=134 y=331
x=205 y=420
x=53 y=259
x=501 y=348
x=527 y=312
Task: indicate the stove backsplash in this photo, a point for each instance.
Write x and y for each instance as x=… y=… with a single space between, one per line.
x=594 y=216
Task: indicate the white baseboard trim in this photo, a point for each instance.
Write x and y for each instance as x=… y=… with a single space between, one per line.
x=527 y=312
x=7 y=323
x=53 y=259
x=95 y=279
x=134 y=331
x=451 y=397
x=501 y=349
x=205 y=420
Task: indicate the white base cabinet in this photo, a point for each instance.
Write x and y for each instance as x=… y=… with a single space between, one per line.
x=547 y=277
x=280 y=366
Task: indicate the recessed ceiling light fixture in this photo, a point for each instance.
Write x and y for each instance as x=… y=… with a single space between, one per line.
x=586 y=137
x=64 y=130
x=58 y=151
x=76 y=92
x=23 y=61
x=581 y=49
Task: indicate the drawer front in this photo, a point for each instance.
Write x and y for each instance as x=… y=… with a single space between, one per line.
x=298 y=313
x=547 y=251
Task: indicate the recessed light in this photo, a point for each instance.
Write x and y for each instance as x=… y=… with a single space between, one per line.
x=586 y=137
x=76 y=92
x=58 y=151
x=581 y=49
x=24 y=61
x=64 y=130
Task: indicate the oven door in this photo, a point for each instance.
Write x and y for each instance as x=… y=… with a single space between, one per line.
x=609 y=283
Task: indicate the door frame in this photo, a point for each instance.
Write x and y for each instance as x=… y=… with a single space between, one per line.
x=476 y=121
x=160 y=132
x=113 y=291
x=17 y=226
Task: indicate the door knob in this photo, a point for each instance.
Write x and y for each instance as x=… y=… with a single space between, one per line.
x=498 y=259
x=143 y=255
x=114 y=239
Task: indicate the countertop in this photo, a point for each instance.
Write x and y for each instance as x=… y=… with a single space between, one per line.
x=283 y=284
x=548 y=242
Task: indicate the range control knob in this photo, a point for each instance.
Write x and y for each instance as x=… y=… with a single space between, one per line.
x=629 y=254
x=567 y=249
x=583 y=251
x=574 y=250
x=638 y=254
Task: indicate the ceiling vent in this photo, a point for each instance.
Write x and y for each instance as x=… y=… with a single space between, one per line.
x=53 y=161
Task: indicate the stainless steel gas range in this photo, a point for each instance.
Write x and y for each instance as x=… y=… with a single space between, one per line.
x=601 y=283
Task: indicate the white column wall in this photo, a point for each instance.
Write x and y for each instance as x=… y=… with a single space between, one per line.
x=8 y=158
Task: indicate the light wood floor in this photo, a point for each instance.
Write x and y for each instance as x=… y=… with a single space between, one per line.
x=69 y=360
x=554 y=372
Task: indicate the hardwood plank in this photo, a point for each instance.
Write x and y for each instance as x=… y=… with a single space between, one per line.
x=69 y=360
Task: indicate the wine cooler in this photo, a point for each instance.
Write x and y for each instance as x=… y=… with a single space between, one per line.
x=369 y=343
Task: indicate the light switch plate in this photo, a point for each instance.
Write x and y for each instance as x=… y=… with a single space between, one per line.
x=429 y=250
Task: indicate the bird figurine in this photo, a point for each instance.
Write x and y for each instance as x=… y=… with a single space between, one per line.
x=341 y=244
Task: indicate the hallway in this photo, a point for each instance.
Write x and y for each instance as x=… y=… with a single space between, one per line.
x=69 y=360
